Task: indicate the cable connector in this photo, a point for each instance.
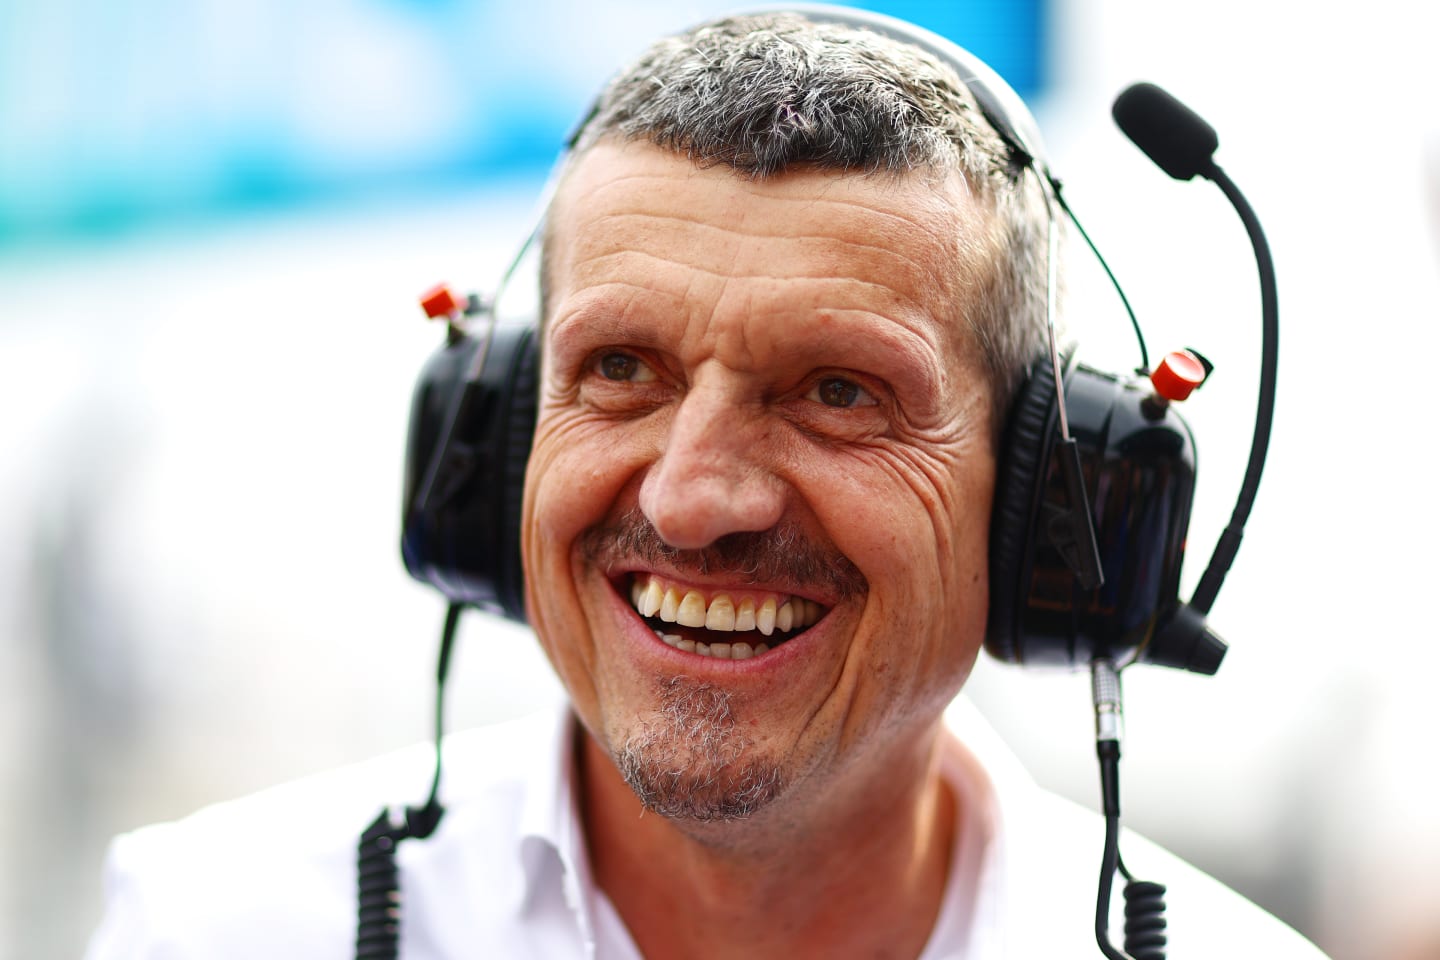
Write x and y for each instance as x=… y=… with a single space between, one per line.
x=1105 y=689
x=1109 y=730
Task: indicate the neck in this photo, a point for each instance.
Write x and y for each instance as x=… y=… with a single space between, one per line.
x=809 y=875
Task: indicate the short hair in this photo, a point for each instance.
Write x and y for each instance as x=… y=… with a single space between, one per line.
x=764 y=94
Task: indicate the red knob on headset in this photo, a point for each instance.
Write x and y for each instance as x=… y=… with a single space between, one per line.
x=439 y=303
x=1179 y=373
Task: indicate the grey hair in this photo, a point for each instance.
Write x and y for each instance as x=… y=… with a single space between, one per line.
x=763 y=94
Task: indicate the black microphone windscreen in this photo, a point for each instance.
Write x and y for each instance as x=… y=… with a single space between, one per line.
x=1170 y=133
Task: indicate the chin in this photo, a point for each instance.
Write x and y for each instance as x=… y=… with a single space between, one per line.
x=691 y=760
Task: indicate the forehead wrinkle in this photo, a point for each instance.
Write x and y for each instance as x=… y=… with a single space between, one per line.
x=893 y=223
x=820 y=240
x=913 y=252
x=721 y=188
x=911 y=303
x=812 y=255
x=934 y=238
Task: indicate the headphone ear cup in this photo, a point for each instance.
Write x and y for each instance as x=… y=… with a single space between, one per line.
x=470 y=437
x=1138 y=460
x=1023 y=464
x=517 y=433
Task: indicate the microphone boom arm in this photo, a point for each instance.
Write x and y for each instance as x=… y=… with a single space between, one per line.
x=1229 y=542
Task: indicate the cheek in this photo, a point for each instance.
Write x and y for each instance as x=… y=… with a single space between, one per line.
x=554 y=484
x=566 y=493
x=584 y=470
x=916 y=520
x=957 y=510
x=919 y=530
x=578 y=465
x=572 y=483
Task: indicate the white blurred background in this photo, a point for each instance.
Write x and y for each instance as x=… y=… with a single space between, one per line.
x=215 y=218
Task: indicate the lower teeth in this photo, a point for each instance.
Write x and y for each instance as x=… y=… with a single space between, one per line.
x=716 y=651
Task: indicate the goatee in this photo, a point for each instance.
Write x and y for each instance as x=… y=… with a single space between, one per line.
x=689 y=761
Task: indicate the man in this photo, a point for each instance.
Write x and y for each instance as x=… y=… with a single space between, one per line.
x=764 y=384
x=792 y=278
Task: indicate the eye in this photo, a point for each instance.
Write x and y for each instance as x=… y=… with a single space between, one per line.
x=840 y=392
x=624 y=367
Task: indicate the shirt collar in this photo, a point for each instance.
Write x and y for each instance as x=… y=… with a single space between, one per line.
x=995 y=790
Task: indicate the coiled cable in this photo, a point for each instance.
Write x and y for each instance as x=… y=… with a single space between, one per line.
x=377 y=934
x=377 y=926
x=1144 y=901
x=1144 y=919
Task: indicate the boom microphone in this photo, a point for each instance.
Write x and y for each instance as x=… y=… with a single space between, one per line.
x=1181 y=144
x=1170 y=133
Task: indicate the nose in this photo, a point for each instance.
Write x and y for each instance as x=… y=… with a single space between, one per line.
x=712 y=477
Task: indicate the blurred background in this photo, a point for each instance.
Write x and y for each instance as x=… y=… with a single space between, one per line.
x=215 y=217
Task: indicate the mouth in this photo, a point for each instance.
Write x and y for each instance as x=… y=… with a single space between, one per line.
x=721 y=624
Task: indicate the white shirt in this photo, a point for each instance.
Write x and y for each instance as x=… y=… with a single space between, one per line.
x=506 y=874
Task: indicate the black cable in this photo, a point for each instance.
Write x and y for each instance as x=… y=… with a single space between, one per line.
x=378 y=900
x=377 y=929
x=1109 y=705
x=442 y=672
x=1145 y=920
x=1107 y=881
x=1145 y=924
x=1144 y=906
x=1144 y=902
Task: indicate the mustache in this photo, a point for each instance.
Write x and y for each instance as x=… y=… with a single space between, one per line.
x=781 y=554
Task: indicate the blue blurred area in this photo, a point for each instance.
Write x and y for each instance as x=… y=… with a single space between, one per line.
x=116 y=116
x=1010 y=35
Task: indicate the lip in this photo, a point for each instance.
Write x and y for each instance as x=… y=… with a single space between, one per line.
x=652 y=651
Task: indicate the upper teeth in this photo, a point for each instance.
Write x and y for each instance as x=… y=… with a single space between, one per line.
x=690 y=608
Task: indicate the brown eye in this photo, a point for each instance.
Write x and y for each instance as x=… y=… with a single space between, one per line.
x=624 y=367
x=839 y=392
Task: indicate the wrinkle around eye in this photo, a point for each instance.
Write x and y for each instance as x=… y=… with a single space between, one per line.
x=843 y=425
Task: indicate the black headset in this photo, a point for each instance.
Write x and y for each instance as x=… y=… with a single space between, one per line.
x=1073 y=575
x=1094 y=485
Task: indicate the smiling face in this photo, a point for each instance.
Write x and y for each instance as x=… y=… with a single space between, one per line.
x=756 y=510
